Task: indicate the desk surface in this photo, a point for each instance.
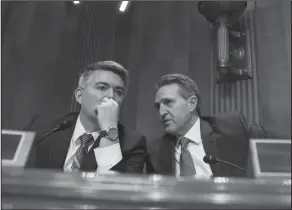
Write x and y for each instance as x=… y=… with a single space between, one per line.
x=50 y=189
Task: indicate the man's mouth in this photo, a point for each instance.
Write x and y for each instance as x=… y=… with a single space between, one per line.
x=166 y=122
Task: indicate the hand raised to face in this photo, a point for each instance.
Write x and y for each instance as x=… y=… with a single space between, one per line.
x=107 y=113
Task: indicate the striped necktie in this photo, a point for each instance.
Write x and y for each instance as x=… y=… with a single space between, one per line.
x=86 y=140
x=187 y=167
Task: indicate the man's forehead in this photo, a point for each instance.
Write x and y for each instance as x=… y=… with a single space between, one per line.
x=170 y=89
x=107 y=77
x=167 y=92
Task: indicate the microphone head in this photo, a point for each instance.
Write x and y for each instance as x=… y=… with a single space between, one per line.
x=66 y=122
x=210 y=159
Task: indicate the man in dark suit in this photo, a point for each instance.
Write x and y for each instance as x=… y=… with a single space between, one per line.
x=189 y=137
x=94 y=140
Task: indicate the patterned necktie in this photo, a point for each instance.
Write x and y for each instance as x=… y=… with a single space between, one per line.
x=86 y=140
x=187 y=167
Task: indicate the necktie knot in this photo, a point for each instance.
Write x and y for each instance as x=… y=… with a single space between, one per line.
x=86 y=139
x=184 y=142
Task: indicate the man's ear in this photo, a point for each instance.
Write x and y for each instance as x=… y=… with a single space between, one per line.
x=193 y=102
x=78 y=95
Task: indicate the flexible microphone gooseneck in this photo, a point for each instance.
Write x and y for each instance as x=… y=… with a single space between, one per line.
x=61 y=126
x=213 y=160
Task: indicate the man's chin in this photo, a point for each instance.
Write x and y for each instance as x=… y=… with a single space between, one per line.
x=170 y=130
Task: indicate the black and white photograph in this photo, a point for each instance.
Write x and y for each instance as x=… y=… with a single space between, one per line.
x=146 y=104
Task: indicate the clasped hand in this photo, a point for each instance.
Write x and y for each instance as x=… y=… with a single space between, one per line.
x=107 y=113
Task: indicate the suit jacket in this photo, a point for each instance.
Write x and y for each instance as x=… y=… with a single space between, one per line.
x=51 y=152
x=224 y=136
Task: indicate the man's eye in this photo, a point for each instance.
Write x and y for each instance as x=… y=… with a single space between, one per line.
x=101 y=87
x=168 y=103
x=119 y=92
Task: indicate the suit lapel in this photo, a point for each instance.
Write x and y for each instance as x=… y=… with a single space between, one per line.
x=209 y=142
x=166 y=155
x=60 y=148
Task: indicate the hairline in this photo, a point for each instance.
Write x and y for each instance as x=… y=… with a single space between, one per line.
x=183 y=92
x=86 y=80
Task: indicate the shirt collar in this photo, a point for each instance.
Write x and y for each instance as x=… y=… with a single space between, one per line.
x=80 y=130
x=194 y=134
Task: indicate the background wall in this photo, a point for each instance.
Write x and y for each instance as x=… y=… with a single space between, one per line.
x=39 y=52
x=46 y=44
x=273 y=44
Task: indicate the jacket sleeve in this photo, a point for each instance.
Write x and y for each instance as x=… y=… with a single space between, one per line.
x=134 y=160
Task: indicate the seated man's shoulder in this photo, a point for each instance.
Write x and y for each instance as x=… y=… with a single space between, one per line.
x=154 y=144
x=225 y=116
x=228 y=122
x=230 y=118
x=129 y=131
x=131 y=136
x=232 y=115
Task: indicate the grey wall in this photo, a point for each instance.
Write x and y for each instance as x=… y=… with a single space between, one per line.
x=273 y=44
x=38 y=52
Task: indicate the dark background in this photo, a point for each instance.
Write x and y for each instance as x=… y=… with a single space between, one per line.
x=45 y=45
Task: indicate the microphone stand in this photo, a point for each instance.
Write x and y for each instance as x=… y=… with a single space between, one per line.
x=47 y=134
x=228 y=163
x=214 y=160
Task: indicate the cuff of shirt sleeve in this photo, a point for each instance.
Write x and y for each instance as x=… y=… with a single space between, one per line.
x=107 y=157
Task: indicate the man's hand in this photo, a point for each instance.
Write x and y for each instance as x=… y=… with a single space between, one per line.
x=108 y=113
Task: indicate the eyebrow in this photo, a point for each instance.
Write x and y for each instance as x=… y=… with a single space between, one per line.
x=107 y=84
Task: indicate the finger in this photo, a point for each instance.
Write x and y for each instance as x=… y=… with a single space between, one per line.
x=105 y=104
x=109 y=101
x=104 y=99
x=114 y=102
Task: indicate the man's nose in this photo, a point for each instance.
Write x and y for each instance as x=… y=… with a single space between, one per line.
x=162 y=111
x=111 y=93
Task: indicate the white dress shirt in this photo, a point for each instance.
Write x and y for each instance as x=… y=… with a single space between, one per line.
x=197 y=151
x=106 y=157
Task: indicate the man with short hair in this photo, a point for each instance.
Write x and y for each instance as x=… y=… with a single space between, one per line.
x=96 y=141
x=189 y=137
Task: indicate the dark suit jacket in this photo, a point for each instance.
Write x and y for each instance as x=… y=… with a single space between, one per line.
x=224 y=136
x=52 y=151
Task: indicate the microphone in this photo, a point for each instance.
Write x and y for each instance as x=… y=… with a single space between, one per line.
x=214 y=160
x=66 y=123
